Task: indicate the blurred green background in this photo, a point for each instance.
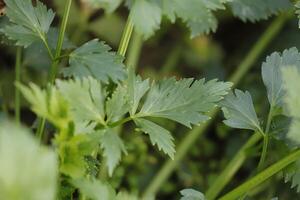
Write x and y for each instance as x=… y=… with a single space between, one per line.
x=171 y=52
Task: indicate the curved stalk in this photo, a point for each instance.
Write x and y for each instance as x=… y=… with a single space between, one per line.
x=18 y=79
x=259 y=47
x=134 y=51
x=263 y=176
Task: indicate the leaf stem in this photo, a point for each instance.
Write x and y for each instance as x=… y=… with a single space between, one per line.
x=55 y=61
x=125 y=38
x=262 y=176
x=191 y=137
x=60 y=41
x=17 y=80
x=231 y=168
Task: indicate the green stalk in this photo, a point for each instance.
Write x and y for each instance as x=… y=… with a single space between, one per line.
x=125 y=38
x=266 y=139
x=261 y=177
x=55 y=61
x=60 y=41
x=134 y=51
x=232 y=167
x=172 y=60
x=18 y=79
x=259 y=47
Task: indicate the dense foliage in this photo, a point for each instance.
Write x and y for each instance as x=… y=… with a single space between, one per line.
x=101 y=130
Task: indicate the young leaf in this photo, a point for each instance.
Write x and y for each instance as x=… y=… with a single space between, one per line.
x=291 y=77
x=271 y=73
x=117 y=105
x=191 y=194
x=239 y=111
x=27 y=170
x=158 y=135
x=50 y=105
x=113 y=147
x=256 y=10
x=85 y=97
x=73 y=153
x=185 y=101
x=137 y=88
x=28 y=23
x=95 y=189
x=95 y=59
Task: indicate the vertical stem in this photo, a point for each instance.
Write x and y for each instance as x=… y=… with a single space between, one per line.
x=18 y=79
x=55 y=61
x=60 y=41
x=264 y=152
x=191 y=137
x=134 y=51
x=125 y=38
x=262 y=176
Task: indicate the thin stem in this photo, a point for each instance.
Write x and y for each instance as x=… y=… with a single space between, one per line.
x=262 y=176
x=120 y=122
x=266 y=139
x=18 y=79
x=60 y=41
x=55 y=61
x=172 y=60
x=264 y=152
x=231 y=168
x=48 y=48
x=134 y=51
x=125 y=38
x=191 y=137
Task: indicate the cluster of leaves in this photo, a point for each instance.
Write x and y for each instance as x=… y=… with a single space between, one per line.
x=98 y=96
x=146 y=15
x=86 y=111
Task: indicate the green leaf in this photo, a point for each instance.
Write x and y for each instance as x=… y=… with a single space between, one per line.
x=239 y=111
x=191 y=194
x=256 y=10
x=108 y=5
x=185 y=101
x=50 y=105
x=271 y=73
x=158 y=135
x=27 y=170
x=125 y=196
x=113 y=147
x=137 y=88
x=95 y=189
x=85 y=97
x=146 y=16
x=291 y=77
x=73 y=153
x=117 y=105
x=28 y=23
x=95 y=59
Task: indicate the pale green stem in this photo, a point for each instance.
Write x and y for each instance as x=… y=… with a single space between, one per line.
x=167 y=169
x=262 y=176
x=125 y=38
x=17 y=80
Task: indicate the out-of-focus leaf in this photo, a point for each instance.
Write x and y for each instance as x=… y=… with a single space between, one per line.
x=27 y=170
x=256 y=10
